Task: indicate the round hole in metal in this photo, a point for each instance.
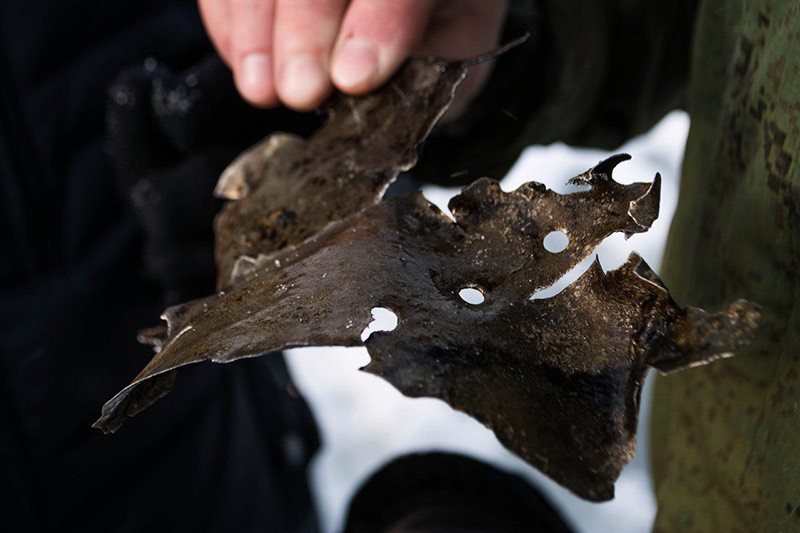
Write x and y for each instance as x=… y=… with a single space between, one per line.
x=472 y=296
x=556 y=242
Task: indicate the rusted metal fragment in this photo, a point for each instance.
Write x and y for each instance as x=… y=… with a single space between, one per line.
x=287 y=189
x=558 y=380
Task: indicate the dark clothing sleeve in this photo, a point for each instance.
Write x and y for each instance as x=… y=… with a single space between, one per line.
x=80 y=273
x=591 y=74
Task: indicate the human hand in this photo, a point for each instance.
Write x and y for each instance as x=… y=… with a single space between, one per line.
x=295 y=51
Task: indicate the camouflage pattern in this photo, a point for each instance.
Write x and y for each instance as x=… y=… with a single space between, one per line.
x=726 y=437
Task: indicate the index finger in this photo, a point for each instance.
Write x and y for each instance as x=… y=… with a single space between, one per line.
x=375 y=37
x=251 y=50
x=216 y=16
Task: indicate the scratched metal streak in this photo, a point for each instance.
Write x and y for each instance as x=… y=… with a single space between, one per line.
x=306 y=250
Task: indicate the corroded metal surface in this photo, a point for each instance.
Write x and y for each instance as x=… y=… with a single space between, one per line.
x=288 y=188
x=558 y=379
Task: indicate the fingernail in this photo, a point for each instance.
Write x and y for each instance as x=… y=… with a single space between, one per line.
x=356 y=63
x=255 y=74
x=302 y=80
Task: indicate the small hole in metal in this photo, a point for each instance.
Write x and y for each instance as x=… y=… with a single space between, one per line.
x=556 y=242
x=472 y=296
x=382 y=320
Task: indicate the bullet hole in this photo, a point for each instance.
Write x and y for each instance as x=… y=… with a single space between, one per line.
x=556 y=242
x=472 y=296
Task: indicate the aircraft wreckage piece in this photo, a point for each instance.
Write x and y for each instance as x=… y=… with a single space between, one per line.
x=558 y=380
x=289 y=188
x=304 y=255
x=285 y=189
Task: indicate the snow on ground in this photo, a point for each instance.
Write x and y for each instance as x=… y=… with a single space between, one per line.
x=365 y=422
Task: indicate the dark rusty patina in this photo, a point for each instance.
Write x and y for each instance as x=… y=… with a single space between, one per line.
x=558 y=380
x=288 y=188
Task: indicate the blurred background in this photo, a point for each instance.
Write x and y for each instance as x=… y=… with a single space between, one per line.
x=365 y=422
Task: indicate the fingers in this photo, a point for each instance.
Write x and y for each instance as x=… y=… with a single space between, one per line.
x=279 y=50
x=241 y=31
x=294 y=51
x=375 y=37
x=251 y=53
x=305 y=31
x=216 y=15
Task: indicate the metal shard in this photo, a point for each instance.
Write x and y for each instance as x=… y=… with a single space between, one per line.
x=289 y=189
x=306 y=253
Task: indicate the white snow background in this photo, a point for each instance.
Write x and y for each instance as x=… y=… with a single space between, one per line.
x=365 y=422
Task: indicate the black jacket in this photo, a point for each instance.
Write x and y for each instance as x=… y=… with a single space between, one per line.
x=88 y=259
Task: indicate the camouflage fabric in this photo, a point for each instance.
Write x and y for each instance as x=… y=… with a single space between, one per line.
x=726 y=437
